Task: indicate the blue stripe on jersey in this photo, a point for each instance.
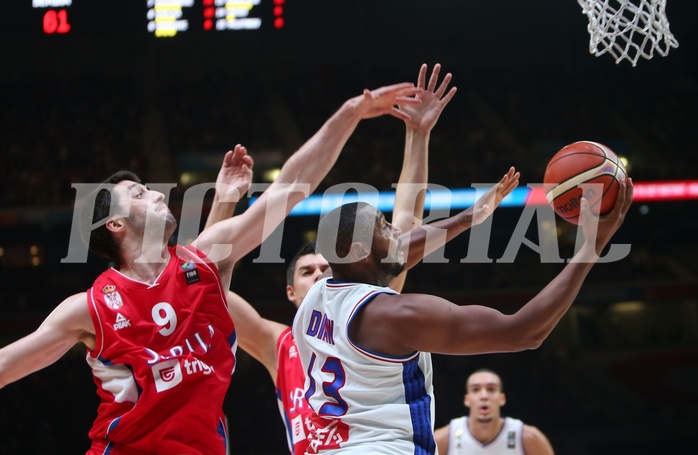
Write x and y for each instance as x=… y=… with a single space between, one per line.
x=287 y=421
x=107 y=449
x=221 y=431
x=233 y=339
x=114 y=423
x=419 y=402
x=138 y=386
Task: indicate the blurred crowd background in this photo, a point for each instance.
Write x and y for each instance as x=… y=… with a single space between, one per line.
x=618 y=375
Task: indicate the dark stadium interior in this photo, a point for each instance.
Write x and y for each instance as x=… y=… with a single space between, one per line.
x=619 y=373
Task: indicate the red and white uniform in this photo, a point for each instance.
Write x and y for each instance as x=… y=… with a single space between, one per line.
x=365 y=402
x=290 y=393
x=164 y=356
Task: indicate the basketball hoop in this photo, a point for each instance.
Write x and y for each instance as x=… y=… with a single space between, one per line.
x=628 y=29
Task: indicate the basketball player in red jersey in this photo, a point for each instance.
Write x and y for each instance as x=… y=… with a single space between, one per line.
x=272 y=343
x=159 y=337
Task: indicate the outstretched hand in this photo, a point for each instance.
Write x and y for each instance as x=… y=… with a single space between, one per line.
x=235 y=175
x=601 y=229
x=423 y=117
x=381 y=101
x=488 y=202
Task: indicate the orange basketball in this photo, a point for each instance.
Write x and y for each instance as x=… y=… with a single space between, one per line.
x=587 y=169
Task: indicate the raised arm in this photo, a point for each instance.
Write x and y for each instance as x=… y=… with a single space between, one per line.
x=256 y=335
x=233 y=181
x=67 y=325
x=415 y=322
x=299 y=176
x=422 y=241
x=414 y=176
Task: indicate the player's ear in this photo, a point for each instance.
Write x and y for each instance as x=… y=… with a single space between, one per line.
x=502 y=399
x=290 y=292
x=358 y=251
x=115 y=224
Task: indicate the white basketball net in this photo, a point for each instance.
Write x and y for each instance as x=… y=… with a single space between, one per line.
x=628 y=29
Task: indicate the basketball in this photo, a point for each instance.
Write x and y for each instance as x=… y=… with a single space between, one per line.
x=586 y=169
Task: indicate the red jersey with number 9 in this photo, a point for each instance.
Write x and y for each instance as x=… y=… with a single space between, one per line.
x=164 y=356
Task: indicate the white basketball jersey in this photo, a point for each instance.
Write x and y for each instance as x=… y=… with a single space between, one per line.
x=364 y=402
x=509 y=441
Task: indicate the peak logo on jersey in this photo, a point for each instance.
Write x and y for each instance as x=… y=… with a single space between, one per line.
x=190 y=272
x=121 y=322
x=111 y=297
x=167 y=375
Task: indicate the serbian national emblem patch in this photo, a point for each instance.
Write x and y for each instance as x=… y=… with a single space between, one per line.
x=112 y=297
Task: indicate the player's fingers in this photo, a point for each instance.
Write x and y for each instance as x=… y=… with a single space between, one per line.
x=451 y=93
x=408 y=92
x=512 y=177
x=516 y=178
x=434 y=77
x=395 y=112
x=422 y=75
x=629 y=190
x=228 y=158
x=239 y=153
x=585 y=211
x=407 y=100
x=394 y=88
x=443 y=86
x=620 y=196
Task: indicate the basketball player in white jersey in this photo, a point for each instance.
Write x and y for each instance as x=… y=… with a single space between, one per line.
x=270 y=342
x=484 y=431
x=365 y=348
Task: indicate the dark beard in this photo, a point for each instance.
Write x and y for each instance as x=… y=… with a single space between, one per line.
x=396 y=268
x=392 y=269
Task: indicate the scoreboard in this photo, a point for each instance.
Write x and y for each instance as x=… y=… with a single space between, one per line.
x=157 y=18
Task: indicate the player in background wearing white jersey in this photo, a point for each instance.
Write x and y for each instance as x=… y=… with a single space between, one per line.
x=162 y=367
x=484 y=431
x=270 y=342
x=366 y=348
